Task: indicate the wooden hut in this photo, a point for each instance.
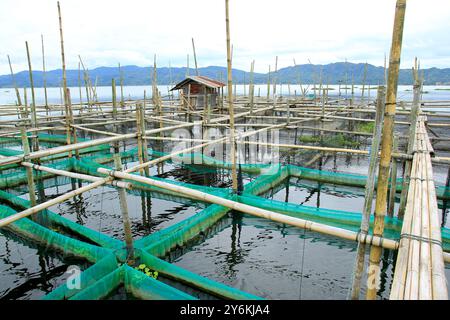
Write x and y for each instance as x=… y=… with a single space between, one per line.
x=199 y=89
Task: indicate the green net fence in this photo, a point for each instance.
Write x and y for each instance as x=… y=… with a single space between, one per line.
x=110 y=269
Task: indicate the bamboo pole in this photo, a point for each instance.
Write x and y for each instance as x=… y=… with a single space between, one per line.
x=364 y=82
x=26 y=152
x=35 y=141
x=85 y=144
x=393 y=179
x=230 y=100
x=386 y=147
x=412 y=134
x=195 y=58
x=79 y=88
x=44 y=78
x=80 y=176
x=63 y=59
x=368 y=196
x=54 y=201
x=19 y=101
x=268 y=85
x=275 y=78
x=187 y=66
x=72 y=131
x=139 y=138
x=125 y=216
x=25 y=101
x=86 y=84
x=122 y=102
x=419 y=271
x=114 y=99
x=251 y=88
x=142 y=131
x=274 y=216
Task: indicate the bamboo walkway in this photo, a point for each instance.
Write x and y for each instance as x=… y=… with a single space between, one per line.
x=419 y=271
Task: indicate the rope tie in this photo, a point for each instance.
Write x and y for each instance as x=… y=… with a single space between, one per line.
x=419 y=238
x=359 y=234
x=374 y=240
x=420 y=179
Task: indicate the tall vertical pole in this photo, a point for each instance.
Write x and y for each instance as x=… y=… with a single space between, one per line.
x=122 y=103
x=139 y=138
x=386 y=149
x=415 y=110
x=268 y=85
x=364 y=82
x=71 y=130
x=114 y=99
x=393 y=180
x=230 y=101
x=79 y=87
x=125 y=216
x=195 y=58
x=19 y=102
x=25 y=104
x=44 y=77
x=142 y=130
x=275 y=77
x=33 y=100
x=26 y=152
x=368 y=196
x=63 y=62
x=187 y=66
x=63 y=59
x=251 y=89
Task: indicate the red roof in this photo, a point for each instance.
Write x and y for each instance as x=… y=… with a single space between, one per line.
x=199 y=79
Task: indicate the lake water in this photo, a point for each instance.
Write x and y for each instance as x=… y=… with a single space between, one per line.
x=8 y=95
x=256 y=255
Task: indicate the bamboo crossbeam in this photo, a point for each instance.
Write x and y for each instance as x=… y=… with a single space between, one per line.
x=54 y=201
x=262 y=213
x=74 y=175
x=82 y=145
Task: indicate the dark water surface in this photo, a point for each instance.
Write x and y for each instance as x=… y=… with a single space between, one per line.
x=265 y=258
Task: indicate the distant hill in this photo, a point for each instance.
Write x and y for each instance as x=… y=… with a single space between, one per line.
x=332 y=73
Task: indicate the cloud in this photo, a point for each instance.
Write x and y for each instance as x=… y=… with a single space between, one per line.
x=106 y=32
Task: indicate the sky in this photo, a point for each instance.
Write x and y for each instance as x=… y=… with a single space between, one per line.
x=131 y=32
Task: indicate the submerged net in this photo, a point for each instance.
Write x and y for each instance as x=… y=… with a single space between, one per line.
x=110 y=269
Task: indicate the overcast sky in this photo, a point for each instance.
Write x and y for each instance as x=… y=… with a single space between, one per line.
x=106 y=32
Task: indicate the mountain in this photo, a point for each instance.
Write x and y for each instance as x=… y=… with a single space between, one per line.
x=332 y=73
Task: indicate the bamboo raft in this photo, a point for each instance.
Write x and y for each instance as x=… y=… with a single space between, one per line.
x=419 y=272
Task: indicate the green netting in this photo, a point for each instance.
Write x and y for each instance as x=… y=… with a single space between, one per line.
x=50 y=239
x=337 y=218
x=56 y=220
x=191 y=279
x=110 y=271
x=102 y=287
x=19 y=177
x=144 y=287
x=180 y=234
x=265 y=183
x=88 y=278
x=101 y=279
x=353 y=180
